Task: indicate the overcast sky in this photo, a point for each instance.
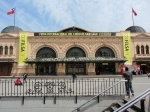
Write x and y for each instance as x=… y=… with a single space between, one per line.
x=91 y=15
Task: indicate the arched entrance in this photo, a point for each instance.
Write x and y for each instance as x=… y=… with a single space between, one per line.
x=79 y=68
x=46 y=68
x=105 y=67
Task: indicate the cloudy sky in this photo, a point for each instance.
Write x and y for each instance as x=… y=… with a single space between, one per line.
x=91 y=15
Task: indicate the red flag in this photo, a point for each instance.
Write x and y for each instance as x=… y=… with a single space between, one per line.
x=12 y=11
x=133 y=11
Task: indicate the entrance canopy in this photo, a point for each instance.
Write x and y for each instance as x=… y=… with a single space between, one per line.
x=75 y=59
x=142 y=60
x=7 y=61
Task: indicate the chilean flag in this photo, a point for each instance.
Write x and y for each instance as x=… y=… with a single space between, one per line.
x=12 y=11
x=133 y=11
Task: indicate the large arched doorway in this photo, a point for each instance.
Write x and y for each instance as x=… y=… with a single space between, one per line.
x=46 y=68
x=79 y=68
x=105 y=67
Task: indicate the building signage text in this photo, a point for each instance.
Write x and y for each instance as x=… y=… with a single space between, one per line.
x=127 y=48
x=74 y=34
x=22 y=47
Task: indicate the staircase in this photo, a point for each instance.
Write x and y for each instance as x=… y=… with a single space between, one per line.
x=114 y=106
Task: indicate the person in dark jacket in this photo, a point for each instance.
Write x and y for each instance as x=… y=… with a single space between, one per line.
x=24 y=77
x=148 y=75
x=129 y=77
x=73 y=77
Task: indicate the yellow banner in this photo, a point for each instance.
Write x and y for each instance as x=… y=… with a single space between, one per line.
x=23 y=39
x=127 y=48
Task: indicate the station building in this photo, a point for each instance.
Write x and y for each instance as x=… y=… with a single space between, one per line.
x=73 y=50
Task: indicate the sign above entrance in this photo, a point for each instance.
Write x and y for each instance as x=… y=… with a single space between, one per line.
x=104 y=63
x=74 y=34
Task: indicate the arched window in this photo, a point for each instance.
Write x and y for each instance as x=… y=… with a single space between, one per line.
x=11 y=50
x=1 y=50
x=6 y=50
x=147 y=49
x=137 y=49
x=104 y=52
x=105 y=67
x=79 y=68
x=75 y=52
x=45 y=68
x=142 y=49
x=46 y=52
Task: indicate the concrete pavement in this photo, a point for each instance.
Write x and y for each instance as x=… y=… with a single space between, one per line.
x=141 y=84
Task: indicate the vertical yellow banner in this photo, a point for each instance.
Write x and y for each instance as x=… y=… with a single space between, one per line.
x=23 y=39
x=127 y=48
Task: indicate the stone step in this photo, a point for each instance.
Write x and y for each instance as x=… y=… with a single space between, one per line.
x=136 y=107
x=129 y=109
x=109 y=109
x=114 y=106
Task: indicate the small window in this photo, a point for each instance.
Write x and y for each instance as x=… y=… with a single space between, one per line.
x=142 y=49
x=137 y=49
x=1 y=50
x=147 y=49
x=6 y=50
x=11 y=50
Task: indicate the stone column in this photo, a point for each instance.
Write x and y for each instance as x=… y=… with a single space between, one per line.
x=30 y=69
x=21 y=69
x=14 y=69
x=90 y=68
x=118 y=68
x=60 y=67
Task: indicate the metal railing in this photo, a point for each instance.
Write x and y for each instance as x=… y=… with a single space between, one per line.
x=60 y=87
x=97 y=96
x=134 y=101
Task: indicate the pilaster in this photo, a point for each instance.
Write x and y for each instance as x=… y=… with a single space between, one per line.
x=61 y=69
x=90 y=68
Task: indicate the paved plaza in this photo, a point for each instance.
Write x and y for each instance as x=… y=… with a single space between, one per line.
x=140 y=84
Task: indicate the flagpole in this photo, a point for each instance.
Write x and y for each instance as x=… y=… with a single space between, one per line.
x=132 y=17
x=14 y=18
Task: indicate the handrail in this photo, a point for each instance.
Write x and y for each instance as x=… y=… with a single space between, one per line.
x=78 y=108
x=133 y=101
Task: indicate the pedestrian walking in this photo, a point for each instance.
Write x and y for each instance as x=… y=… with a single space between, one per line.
x=24 y=77
x=74 y=77
x=128 y=84
x=148 y=75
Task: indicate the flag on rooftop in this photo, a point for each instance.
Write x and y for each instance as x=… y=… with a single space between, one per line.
x=12 y=11
x=133 y=11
